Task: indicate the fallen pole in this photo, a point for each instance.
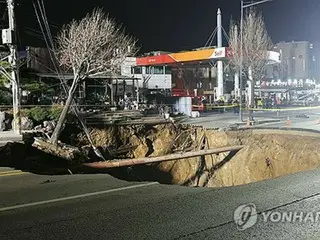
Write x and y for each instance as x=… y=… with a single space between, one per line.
x=139 y=161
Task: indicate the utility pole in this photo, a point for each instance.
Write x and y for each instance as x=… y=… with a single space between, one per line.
x=236 y=75
x=14 y=68
x=241 y=63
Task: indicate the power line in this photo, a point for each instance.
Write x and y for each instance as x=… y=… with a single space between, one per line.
x=44 y=35
x=33 y=32
x=45 y=19
x=51 y=23
x=62 y=80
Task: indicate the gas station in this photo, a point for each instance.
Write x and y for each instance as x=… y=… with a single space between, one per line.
x=201 y=73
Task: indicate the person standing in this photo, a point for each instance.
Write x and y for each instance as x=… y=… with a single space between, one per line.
x=236 y=105
x=260 y=103
x=278 y=103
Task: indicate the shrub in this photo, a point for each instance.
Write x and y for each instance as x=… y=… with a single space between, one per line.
x=24 y=112
x=55 y=112
x=5 y=98
x=39 y=114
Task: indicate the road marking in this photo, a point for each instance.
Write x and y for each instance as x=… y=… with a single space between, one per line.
x=12 y=173
x=75 y=197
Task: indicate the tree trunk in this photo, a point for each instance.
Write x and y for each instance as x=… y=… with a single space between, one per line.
x=251 y=94
x=57 y=131
x=252 y=105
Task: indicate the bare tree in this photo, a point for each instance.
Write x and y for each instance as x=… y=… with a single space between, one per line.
x=235 y=45
x=93 y=46
x=255 y=45
x=235 y=60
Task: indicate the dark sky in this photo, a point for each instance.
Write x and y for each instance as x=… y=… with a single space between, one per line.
x=178 y=24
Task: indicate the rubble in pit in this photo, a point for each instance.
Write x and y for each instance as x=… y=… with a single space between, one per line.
x=267 y=153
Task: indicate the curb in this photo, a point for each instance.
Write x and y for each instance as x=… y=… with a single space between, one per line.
x=291 y=129
x=259 y=122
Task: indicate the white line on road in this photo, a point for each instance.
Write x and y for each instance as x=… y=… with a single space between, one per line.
x=75 y=197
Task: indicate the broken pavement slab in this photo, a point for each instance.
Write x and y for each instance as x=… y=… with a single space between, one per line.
x=9 y=136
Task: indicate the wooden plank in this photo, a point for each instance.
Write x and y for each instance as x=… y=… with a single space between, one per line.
x=171 y=157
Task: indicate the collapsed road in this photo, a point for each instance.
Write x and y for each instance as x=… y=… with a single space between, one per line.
x=271 y=169
x=178 y=154
x=102 y=207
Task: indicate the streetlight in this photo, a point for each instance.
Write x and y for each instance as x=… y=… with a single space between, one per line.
x=244 y=5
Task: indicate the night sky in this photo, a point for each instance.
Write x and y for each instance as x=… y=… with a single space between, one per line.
x=174 y=25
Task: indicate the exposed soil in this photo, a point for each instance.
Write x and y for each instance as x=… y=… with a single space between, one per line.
x=267 y=153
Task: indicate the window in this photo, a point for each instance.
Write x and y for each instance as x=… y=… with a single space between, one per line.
x=168 y=70
x=154 y=70
x=137 y=70
x=158 y=70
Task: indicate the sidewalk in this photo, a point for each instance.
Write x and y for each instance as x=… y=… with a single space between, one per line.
x=9 y=136
x=226 y=120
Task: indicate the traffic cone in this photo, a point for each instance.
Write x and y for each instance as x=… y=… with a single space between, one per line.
x=288 y=122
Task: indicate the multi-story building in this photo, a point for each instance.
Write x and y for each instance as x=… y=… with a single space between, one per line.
x=297 y=73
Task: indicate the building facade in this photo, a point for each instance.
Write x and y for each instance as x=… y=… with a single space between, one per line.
x=299 y=67
x=297 y=73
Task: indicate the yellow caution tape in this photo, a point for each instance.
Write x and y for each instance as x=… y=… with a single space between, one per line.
x=282 y=109
x=217 y=107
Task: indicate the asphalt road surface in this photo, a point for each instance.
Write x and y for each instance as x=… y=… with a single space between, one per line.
x=102 y=207
x=301 y=119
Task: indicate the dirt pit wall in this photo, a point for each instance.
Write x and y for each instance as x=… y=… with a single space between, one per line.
x=267 y=154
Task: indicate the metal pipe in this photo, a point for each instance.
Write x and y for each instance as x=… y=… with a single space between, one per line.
x=139 y=161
